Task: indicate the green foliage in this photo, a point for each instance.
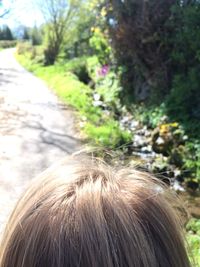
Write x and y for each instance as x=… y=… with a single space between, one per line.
x=193 y=238
x=192 y=159
x=150 y=116
x=8 y=44
x=23 y=47
x=181 y=98
x=183 y=103
x=106 y=82
x=76 y=41
x=194 y=226
x=5 y=33
x=61 y=16
x=100 y=46
x=92 y=66
x=78 y=66
x=186 y=37
x=108 y=135
x=159 y=56
x=37 y=55
x=108 y=88
x=33 y=53
x=36 y=36
x=25 y=34
x=138 y=30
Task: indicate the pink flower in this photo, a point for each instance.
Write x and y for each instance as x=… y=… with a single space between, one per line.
x=103 y=71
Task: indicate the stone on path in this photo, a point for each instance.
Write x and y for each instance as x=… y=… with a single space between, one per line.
x=35 y=130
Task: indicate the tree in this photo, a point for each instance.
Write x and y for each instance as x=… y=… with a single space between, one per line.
x=138 y=31
x=77 y=39
x=25 y=35
x=8 y=33
x=5 y=33
x=36 y=36
x=3 y=11
x=60 y=15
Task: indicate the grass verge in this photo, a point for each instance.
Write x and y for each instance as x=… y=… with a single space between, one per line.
x=100 y=129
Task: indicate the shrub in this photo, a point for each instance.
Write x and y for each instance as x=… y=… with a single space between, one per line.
x=92 y=66
x=8 y=44
x=37 y=55
x=151 y=116
x=192 y=159
x=183 y=103
x=100 y=46
x=24 y=47
x=34 y=53
x=36 y=36
x=78 y=66
x=106 y=82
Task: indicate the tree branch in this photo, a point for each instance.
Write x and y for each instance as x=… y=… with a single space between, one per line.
x=4 y=13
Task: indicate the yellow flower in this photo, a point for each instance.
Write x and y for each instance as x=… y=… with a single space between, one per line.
x=164 y=128
x=103 y=12
x=174 y=124
x=97 y=30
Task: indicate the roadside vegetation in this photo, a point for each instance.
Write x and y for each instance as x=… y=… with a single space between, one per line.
x=131 y=71
x=70 y=82
x=6 y=38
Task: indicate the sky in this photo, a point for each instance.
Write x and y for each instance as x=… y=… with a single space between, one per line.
x=23 y=12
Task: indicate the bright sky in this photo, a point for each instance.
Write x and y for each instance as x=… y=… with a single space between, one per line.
x=23 y=12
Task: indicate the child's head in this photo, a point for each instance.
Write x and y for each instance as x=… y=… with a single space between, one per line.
x=83 y=213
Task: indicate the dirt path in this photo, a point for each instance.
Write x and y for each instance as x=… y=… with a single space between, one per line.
x=35 y=130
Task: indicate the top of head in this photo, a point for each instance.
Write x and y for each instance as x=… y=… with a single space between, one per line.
x=85 y=213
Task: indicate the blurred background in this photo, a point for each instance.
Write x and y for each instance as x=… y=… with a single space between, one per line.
x=126 y=71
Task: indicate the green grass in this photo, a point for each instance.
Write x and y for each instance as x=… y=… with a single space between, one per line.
x=100 y=129
x=109 y=134
x=193 y=238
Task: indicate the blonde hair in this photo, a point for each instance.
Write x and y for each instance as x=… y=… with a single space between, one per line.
x=85 y=213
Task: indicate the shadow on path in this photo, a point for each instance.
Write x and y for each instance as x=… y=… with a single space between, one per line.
x=64 y=142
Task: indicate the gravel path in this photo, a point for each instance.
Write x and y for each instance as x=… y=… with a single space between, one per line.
x=35 y=130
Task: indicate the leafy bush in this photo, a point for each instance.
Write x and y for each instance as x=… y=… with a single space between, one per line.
x=34 y=53
x=24 y=47
x=92 y=66
x=106 y=82
x=37 y=55
x=192 y=159
x=78 y=66
x=36 y=36
x=8 y=44
x=100 y=46
x=5 y=33
x=157 y=48
x=183 y=103
x=151 y=116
